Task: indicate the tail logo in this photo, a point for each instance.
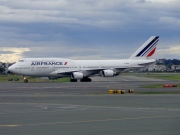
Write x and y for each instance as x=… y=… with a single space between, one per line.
x=150 y=49
x=152 y=52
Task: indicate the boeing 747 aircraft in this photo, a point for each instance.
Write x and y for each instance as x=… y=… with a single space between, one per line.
x=84 y=69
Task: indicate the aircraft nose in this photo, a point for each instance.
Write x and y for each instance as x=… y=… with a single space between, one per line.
x=11 y=69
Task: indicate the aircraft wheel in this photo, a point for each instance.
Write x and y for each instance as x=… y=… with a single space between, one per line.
x=73 y=80
x=25 y=80
x=86 y=80
x=90 y=80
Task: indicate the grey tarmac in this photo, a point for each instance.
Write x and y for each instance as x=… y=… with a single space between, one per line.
x=86 y=108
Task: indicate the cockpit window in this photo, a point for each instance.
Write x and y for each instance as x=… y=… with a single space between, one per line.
x=21 y=61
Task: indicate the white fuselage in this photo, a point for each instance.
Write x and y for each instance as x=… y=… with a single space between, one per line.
x=57 y=67
x=83 y=69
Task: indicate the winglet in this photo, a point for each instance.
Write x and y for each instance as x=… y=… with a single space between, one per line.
x=147 y=49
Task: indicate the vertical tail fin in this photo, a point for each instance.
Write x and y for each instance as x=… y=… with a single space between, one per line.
x=147 y=49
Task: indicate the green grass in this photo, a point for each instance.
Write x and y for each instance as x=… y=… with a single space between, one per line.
x=4 y=78
x=153 y=86
x=165 y=76
x=173 y=77
x=158 y=93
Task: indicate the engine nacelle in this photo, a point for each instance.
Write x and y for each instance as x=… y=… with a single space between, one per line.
x=77 y=75
x=108 y=73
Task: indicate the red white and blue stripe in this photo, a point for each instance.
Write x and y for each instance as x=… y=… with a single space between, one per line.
x=149 y=50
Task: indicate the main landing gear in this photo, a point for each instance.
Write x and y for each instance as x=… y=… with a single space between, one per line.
x=73 y=80
x=25 y=80
x=86 y=79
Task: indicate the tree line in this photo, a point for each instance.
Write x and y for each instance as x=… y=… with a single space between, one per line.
x=168 y=62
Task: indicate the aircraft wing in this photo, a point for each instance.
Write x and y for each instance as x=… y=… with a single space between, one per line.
x=89 y=72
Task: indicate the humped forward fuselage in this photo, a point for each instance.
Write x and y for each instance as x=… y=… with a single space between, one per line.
x=56 y=67
x=83 y=69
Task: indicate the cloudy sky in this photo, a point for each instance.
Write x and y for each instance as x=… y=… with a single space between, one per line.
x=87 y=29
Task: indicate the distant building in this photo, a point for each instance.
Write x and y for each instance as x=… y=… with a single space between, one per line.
x=160 y=68
x=175 y=67
x=154 y=68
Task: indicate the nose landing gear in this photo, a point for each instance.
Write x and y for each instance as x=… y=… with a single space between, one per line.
x=25 y=80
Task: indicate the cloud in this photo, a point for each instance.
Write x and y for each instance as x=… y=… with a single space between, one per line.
x=171 y=21
x=14 y=54
x=102 y=13
x=90 y=12
x=73 y=52
x=171 y=51
x=163 y=1
x=87 y=29
x=142 y=1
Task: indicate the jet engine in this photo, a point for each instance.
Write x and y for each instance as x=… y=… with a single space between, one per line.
x=108 y=73
x=77 y=75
